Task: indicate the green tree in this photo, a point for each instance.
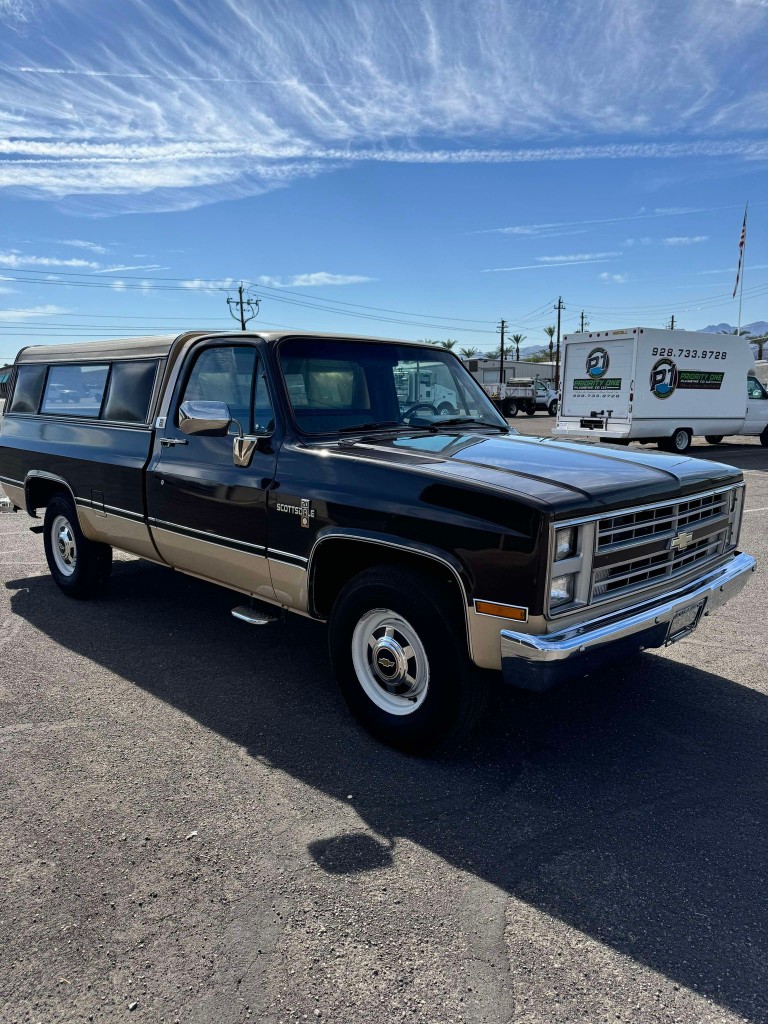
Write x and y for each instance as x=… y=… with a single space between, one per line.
x=518 y=340
x=760 y=341
x=550 y=333
x=448 y=343
x=469 y=353
x=493 y=353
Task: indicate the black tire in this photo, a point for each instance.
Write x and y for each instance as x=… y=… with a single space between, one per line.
x=679 y=442
x=713 y=438
x=454 y=694
x=552 y=407
x=446 y=409
x=530 y=410
x=764 y=438
x=509 y=408
x=90 y=563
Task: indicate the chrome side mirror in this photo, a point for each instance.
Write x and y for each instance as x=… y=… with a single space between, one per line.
x=208 y=419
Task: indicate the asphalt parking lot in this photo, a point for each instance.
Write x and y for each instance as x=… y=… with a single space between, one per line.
x=193 y=829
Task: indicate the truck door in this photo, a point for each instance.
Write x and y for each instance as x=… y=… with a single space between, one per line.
x=208 y=516
x=597 y=378
x=757 y=406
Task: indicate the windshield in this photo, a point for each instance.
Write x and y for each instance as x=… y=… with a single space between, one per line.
x=346 y=385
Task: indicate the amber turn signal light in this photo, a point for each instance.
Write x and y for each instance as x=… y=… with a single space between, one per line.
x=505 y=610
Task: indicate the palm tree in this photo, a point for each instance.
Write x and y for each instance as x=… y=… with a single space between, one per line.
x=493 y=353
x=518 y=340
x=760 y=342
x=550 y=333
x=468 y=353
x=448 y=343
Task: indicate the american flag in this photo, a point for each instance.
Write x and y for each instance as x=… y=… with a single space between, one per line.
x=742 y=242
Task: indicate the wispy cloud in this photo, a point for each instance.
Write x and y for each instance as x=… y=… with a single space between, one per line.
x=80 y=243
x=199 y=285
x=579 y=257
x=544 y=266
x=31 y=313
x=19 y=261
x=613 y=278
x=685 y=239
x=121 y=269
x=320 y=278
x=558 y=227
x=433 y=85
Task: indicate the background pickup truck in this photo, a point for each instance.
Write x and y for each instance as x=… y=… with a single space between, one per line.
x=522 y=393
x=314 y=474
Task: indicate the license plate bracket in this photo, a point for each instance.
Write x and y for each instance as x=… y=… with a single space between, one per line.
x=684 y=622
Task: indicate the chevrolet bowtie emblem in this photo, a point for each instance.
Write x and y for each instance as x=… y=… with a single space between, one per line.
x=681 y=541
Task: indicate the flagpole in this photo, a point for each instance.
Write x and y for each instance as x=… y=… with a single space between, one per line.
x=743 y=267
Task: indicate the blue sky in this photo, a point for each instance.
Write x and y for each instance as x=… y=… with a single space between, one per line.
x=409 y=168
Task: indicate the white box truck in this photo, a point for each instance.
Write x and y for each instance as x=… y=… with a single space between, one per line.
x=647 y=384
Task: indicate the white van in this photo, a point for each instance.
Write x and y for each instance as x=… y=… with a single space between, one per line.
x=648 y=384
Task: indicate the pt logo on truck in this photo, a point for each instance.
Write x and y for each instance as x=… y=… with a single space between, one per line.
x=664 y=378
x=597 y=363
x=667 y=377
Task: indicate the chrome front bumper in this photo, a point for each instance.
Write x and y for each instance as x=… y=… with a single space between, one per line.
x=539 y=662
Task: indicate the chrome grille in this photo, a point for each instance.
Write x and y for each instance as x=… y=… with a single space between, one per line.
x=643 y=524
x=705 y=521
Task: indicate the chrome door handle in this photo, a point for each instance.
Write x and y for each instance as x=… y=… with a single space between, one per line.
x=169 y=442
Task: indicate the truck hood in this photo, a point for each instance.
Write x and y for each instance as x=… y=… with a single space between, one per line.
x=563 y=476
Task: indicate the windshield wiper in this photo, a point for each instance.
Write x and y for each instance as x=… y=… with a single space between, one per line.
x=460 y=421
x=380 y=425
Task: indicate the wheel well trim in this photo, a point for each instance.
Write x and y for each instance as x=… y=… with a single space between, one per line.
x=42 y=474
x=415 y=548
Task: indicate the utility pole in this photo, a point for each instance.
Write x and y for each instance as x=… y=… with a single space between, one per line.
x=584 y=322
x=559 y=307
x=242 y=301
x=671 y=324
x=502 y=328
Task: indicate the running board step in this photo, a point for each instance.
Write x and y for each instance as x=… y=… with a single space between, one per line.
x=252 y=616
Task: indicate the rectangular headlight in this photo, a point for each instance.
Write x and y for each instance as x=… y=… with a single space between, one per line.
x=565 y=543
x=561 y=590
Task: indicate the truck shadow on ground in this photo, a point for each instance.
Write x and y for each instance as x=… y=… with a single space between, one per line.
x=633 y=807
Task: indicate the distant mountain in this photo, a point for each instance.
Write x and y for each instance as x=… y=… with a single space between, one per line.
x=757 y=328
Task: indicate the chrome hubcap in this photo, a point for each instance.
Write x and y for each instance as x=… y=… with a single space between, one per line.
x=63 y=545
x=390 y=661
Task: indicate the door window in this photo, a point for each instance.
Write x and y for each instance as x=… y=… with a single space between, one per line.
x=755 y=389
x=231 y=374
x=225 y=373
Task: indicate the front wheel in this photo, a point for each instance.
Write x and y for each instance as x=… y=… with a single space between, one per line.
x=79 y=566
x=552 y=407
x=396 y=644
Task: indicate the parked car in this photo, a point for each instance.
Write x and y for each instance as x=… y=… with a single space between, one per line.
x=295 y=470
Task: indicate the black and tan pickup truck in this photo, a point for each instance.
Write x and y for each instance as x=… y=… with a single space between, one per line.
x=372 y=485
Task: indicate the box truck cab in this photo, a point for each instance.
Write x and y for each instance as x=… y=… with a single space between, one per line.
x=646 y=384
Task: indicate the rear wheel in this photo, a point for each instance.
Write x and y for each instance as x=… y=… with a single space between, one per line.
x=396 y=644
x=79 y=566
x=679 y=442
x=509 y=408
x=530 y=410
x=764 y=438
x=713 y=438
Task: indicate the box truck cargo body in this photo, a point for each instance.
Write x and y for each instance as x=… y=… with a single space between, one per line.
x=648 y=384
